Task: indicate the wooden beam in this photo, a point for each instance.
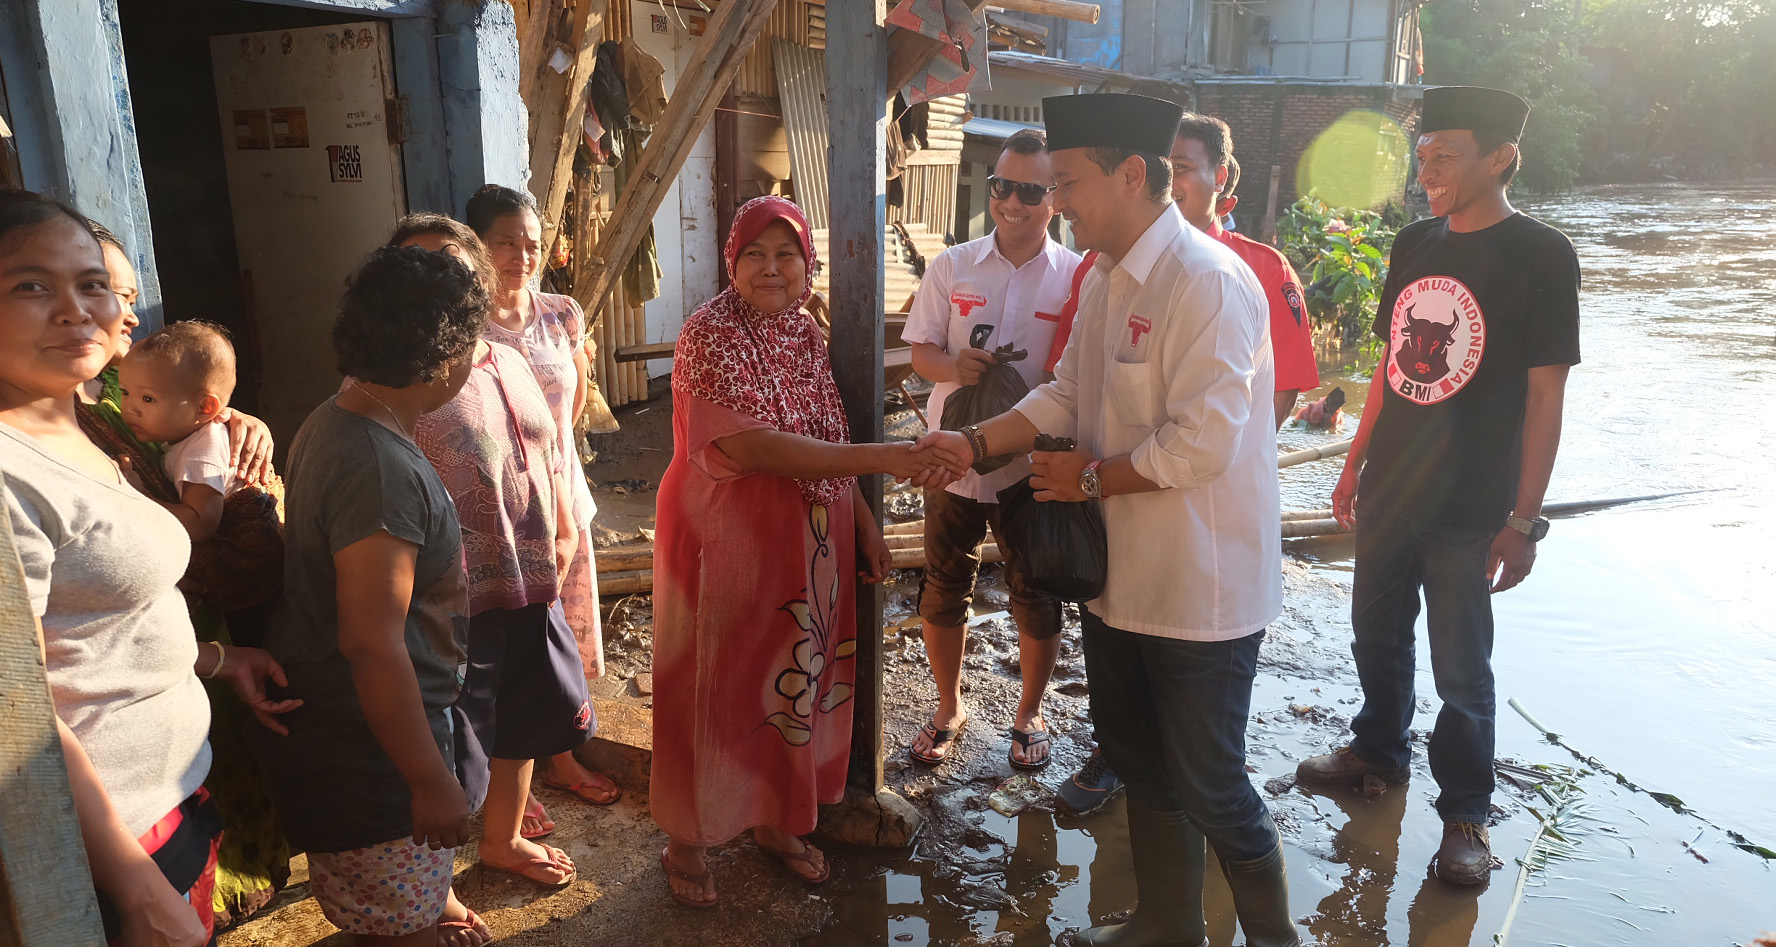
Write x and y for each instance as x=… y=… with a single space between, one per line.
x=732 y=30
x=557 y=105
x=856 y=110
x=909 y=52
x=46 y=893
x=1065 y=9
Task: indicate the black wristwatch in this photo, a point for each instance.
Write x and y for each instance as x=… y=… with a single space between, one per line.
x=1535 y=529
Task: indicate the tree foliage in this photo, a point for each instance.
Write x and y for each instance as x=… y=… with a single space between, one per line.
x=1686 y=87
x=1532 y=48
x=1341 y=254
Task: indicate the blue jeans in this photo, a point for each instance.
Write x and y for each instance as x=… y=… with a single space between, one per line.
x=1170 y=718
x=1395 y=559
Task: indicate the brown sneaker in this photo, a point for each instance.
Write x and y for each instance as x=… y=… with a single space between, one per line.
x=1465 y=857
x=1344 y=767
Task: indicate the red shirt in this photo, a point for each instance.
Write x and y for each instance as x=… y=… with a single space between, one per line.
x=1291 y=334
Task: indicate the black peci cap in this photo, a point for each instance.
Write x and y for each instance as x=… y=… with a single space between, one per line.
x=1496 y=112
x=1111 y=120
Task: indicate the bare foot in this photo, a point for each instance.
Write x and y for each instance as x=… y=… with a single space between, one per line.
x=804 y=860
x=688 y=873
x=1036 y=752
x=460 y=927
x=544 y=864
x=565 y=772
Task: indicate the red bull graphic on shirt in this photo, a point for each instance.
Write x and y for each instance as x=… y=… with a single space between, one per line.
x=1436 y=340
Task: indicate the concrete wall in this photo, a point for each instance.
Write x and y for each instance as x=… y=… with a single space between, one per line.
x=1273 y=123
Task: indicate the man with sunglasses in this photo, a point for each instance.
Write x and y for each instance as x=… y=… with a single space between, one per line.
x=1005 y=288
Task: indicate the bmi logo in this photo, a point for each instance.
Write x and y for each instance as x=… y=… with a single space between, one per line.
x=345 y=163
x=1436 y=341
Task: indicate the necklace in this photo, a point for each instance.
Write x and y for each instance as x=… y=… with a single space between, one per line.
x=385 y=407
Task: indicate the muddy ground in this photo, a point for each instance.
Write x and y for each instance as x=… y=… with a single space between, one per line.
x=974 y=876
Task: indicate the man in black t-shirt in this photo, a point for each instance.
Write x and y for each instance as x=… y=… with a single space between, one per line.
x=1480 y=316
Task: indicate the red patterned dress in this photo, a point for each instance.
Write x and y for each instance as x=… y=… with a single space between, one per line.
x=754 y=577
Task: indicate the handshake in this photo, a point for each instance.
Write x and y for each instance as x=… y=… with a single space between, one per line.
x=936 y=460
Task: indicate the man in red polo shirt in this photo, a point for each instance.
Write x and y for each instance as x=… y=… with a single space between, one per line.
x=1201 y=155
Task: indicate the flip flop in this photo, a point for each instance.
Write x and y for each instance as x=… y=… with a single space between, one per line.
x=472 y=923
x=536 y=863
x=579 y=789
x=534 y=810
x=805 y=857
x=1028 y=739
x=674 y=872
x=940 y=739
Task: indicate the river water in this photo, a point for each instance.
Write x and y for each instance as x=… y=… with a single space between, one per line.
x=1645 y=637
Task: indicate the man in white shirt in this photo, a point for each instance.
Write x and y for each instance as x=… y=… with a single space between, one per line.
x=1006 y=288
x=1166 y=383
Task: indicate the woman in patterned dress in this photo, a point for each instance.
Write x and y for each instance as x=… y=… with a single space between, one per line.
x=550 y=331
x=761 y=525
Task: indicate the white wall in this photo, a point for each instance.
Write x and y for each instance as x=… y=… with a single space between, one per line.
x=684 y=226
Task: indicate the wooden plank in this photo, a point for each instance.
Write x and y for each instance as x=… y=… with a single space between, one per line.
x=642 y=353
x=732 y=30
x=856 y=104
x=46 y=893
x=558 y=110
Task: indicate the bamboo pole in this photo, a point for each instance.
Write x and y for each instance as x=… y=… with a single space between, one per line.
x=1313 y=453
x=1065 y=9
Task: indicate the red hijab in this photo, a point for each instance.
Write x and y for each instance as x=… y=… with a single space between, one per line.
x=772 y=366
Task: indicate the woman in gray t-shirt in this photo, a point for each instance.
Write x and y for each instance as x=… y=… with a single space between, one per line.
x=100 y=562
x=371 y=628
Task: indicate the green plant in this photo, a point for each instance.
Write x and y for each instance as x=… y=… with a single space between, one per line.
x=1341 y=255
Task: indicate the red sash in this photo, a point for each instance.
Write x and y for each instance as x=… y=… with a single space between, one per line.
x=1071 y=309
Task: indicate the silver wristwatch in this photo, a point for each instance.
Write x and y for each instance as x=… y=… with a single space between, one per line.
x=1088 y=481
x=1535 y=529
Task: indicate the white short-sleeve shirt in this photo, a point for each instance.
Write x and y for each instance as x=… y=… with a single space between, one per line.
x=972 y=297
x=1169 y=362
x=201 y=458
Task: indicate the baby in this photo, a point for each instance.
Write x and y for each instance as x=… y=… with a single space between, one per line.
x=174 y=384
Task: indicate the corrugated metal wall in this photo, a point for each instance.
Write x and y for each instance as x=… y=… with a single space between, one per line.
x=801 y=83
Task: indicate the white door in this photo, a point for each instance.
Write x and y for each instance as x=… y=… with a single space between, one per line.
x=315 y=184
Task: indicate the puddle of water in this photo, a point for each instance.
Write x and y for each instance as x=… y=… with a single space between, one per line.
x=1644 y=636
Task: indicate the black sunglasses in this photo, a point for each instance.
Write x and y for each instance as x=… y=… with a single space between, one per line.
x=1031 y=194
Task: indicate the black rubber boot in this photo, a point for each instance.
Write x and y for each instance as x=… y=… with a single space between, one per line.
x=1169 y=868
x=1261 y=899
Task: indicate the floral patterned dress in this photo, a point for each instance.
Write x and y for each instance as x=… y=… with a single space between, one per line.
x=556 y=332
x=754 y=579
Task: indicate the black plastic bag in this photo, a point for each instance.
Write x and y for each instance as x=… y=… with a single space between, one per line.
x=1063 y=545
x=999 y=390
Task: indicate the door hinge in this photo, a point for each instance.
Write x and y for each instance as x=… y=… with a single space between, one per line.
x=394 y=112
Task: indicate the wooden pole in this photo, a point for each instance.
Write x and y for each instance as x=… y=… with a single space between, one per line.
x=46 y=892
x=733 y=28
x=1065 y=9
x=558 y=112
x=856 y=110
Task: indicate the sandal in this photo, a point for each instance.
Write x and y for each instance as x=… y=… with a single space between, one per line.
x=534 y=812
x=940 y=740
x=804 y=857
x=532 y=867
x=1028 y=739
x=579 y=789
x=472 y=924
x=674 y=872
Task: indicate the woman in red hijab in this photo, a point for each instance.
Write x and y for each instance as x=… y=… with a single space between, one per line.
x=760 y=527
